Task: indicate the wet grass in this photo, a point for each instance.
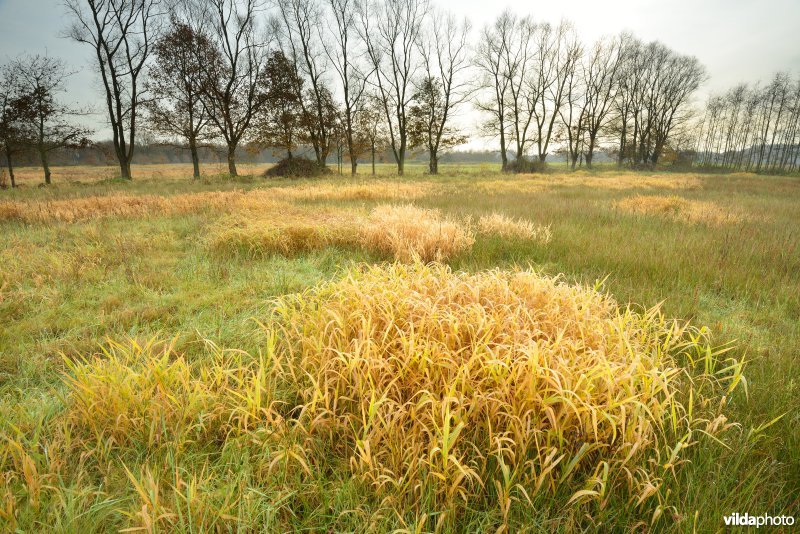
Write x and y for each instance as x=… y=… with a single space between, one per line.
x=67 y=287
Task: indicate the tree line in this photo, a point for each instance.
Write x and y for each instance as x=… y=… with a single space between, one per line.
x=753 y=128
x=346 y=79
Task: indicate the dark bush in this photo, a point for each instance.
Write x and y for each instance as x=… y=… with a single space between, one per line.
x=525 y=166
x=296 y=167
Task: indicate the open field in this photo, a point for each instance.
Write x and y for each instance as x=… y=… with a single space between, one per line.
x=216 y=355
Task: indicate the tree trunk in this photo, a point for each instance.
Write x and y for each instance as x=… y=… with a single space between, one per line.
x=433 y=165
x=590 y=152
x=373 y=159
x=232 y=160
x=125 y=170
x=195 y=159
x=10 y=166
x=401 y=158
x=503 y=155
x=351 y=150
x=45 y=165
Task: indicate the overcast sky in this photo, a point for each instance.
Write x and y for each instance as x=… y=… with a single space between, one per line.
x=737 y=40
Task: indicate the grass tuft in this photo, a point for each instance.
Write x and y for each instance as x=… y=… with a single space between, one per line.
x=287 y=234
x=508 y=228
x=408 y=233
x=444 y=387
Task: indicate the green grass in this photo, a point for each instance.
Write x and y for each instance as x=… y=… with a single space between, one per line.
x=66 y=288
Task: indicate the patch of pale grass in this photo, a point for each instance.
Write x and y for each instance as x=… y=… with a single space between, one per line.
x=125 y=205
x=378 y=190
x=621 y=181
x=680 y=209
x=535 y=183
x=409 y=233
x=519 y=184
x=508 y=228
x=288 y=232
x=444 y=386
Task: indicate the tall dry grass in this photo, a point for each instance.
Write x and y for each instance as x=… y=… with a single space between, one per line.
x=405 y=233
x=679 y=209
x=125 y=205
x=408 y=233
x=289 y=232
x=132 y=205
x=509 y=228
x=445 y=387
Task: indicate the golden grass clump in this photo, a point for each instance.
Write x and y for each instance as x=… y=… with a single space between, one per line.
x=409 y=233
x=508 y=228
x=680 y=209
x=447 y=387
x=148 y=393
x=287 y=233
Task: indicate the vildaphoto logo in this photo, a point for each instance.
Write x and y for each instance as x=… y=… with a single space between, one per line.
x=747 y=520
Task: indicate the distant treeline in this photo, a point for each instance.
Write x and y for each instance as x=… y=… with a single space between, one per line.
x=753 y=128
x=102 y=153
x=380 y=80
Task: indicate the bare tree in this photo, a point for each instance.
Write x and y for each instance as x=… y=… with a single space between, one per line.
x=517 y=62
x=557 y=52
x=177 y=82
x=654 y=90
x=530 y=69
x=752 y=127
x=443 y=88
x=236 y=88
x=120 y=33
x=371 y=133
x=628 y=80
x=391 y=32
x=599 y=76
x=492 y=90
x=574 y=117
x=302 y=24
x=675 y=78
x=344 y=56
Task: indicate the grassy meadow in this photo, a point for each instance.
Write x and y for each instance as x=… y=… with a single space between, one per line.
x=472 y=352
